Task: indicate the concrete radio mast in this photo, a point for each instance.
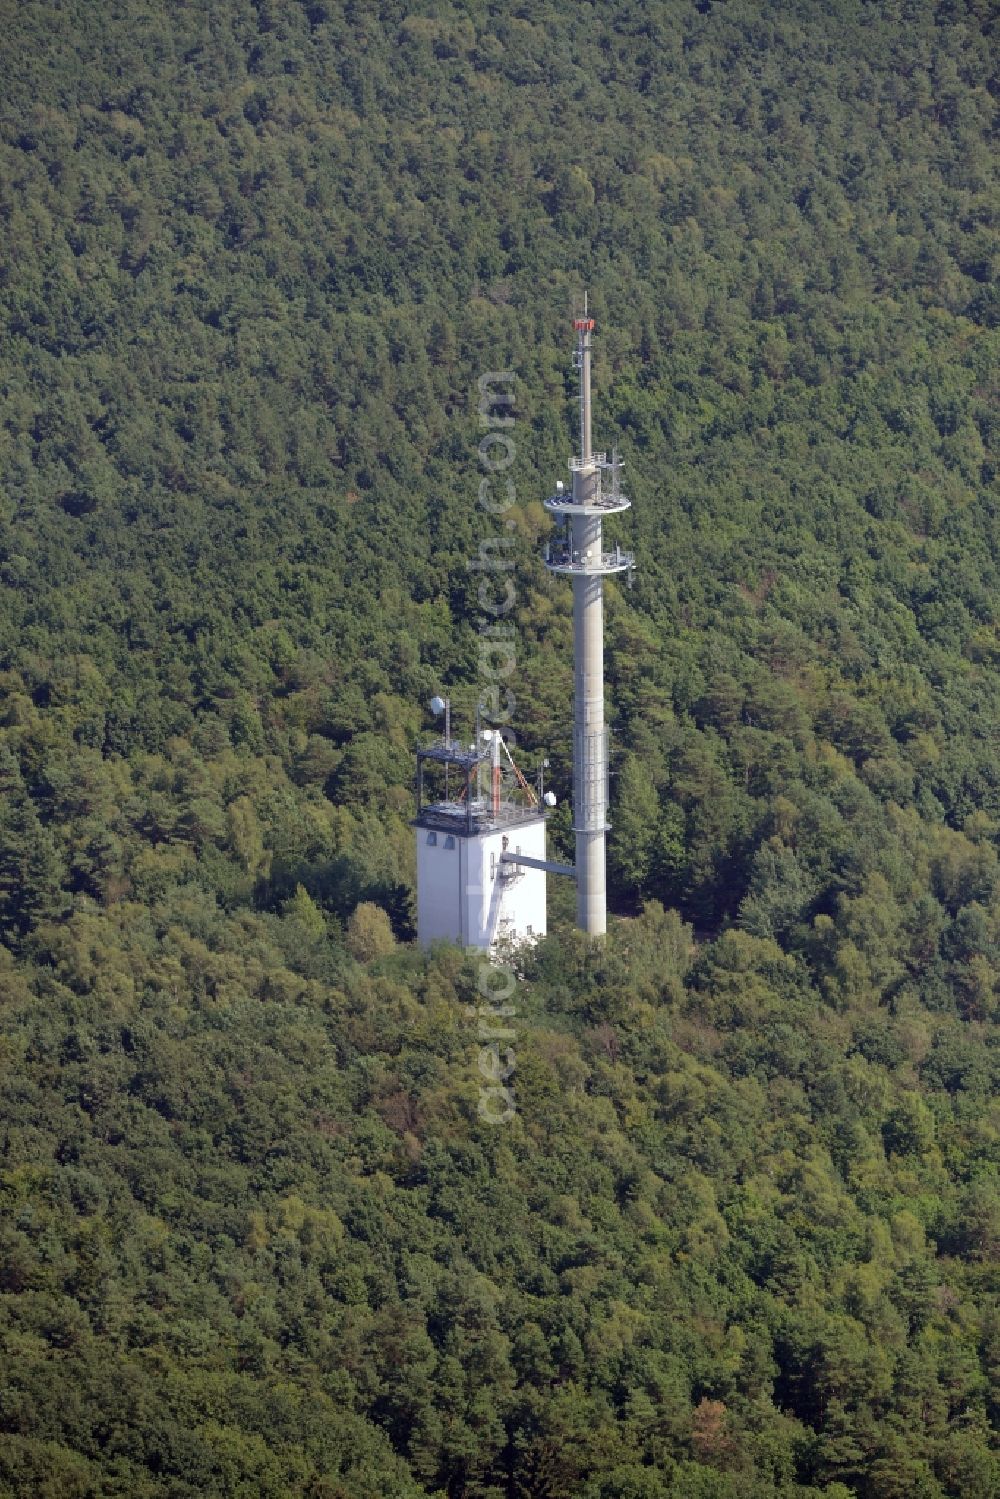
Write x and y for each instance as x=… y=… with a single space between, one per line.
x=578 y=552
x=481 y=862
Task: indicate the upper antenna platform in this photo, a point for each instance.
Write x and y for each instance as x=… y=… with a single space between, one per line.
x=584 y=324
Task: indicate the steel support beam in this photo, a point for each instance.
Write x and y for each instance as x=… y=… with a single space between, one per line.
x=548 y=865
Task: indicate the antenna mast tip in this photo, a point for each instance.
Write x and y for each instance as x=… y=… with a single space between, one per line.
x=584 y=324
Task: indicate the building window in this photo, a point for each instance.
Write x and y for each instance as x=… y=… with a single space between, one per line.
x=449 y=842
x=432 y=838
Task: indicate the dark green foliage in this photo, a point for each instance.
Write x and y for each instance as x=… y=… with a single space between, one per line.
x=738 y=1238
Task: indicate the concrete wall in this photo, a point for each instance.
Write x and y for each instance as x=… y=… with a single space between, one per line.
x=461 y=897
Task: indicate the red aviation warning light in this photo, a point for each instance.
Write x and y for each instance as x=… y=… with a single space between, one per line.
x=584 y=324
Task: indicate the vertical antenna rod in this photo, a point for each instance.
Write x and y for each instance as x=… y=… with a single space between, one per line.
x=584 y=326
x=580 y=554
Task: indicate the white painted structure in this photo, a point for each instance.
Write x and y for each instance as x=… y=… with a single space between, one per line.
x=471 y=887
x=466 y=894
x=578 y=552
x=472 y=823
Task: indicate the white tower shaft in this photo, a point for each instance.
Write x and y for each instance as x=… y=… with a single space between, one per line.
x=590 y=750
x=580 y=554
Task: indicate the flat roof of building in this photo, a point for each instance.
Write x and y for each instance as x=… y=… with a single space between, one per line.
x=454 y=817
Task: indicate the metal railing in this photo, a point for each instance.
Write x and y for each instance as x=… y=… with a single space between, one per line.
x=598 y=460
x=607 y=504
x=455 y=816
x=562 y=559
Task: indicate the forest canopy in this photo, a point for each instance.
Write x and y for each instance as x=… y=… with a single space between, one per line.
x=740 y=1237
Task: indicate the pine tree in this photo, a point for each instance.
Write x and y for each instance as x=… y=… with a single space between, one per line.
x=29 y=864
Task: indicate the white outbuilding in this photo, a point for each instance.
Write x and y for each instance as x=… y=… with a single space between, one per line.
x=480 y=831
